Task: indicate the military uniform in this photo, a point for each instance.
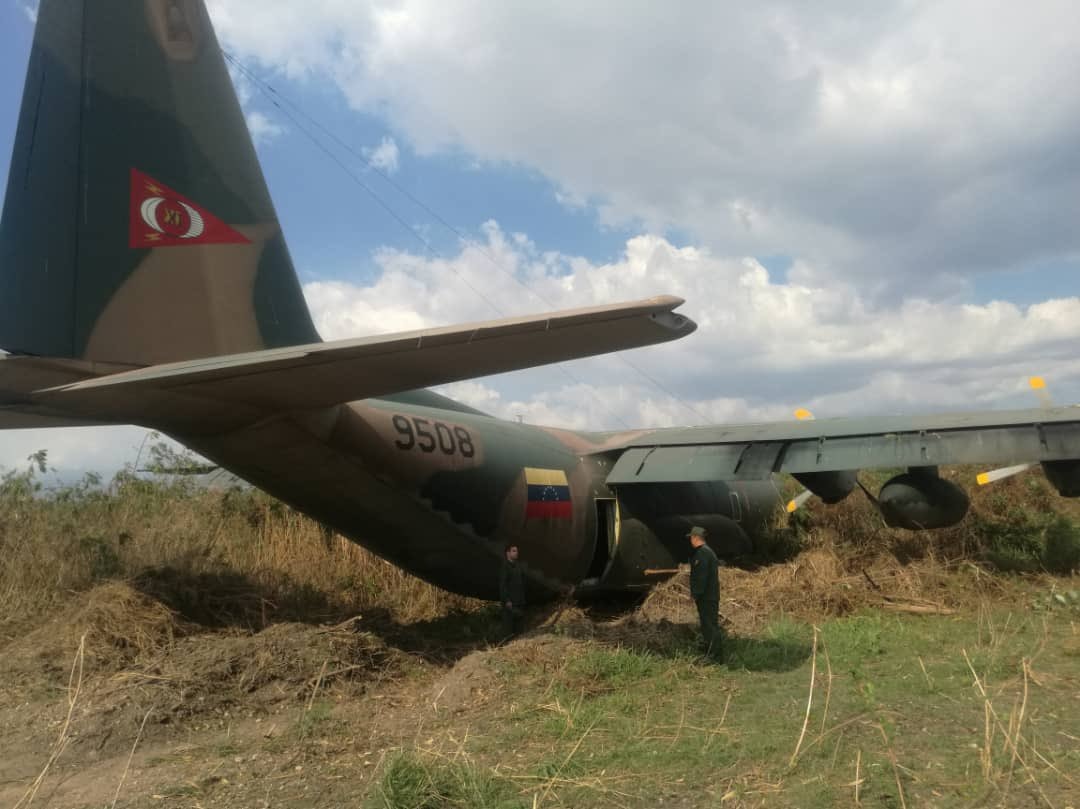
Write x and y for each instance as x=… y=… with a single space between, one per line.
x=511 y=591
x=705 y=590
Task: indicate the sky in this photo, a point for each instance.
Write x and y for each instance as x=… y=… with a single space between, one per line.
x=868 y=207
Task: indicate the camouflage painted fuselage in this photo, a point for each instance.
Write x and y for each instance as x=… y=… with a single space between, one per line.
x=439 y=489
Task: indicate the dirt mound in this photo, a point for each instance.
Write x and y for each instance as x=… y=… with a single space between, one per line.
x=819 y=582
x=214 y=678
x=282 y=662
x=479 y=678
x=568 y=619
x=669 y=601
x=138 y=656
x=472 y=682
x=116 y=625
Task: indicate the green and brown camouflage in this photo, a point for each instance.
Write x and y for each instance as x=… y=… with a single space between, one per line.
x=115 y=87
x=144 y=279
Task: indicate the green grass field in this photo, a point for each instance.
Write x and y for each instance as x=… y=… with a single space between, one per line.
x=872 y=709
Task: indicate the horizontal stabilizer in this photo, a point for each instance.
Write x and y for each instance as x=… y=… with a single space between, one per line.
x=21 y=376
x=19 y=419
x=323 y=374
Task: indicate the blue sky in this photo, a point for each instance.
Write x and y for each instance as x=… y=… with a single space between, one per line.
x=866 y=208
x=332 y=223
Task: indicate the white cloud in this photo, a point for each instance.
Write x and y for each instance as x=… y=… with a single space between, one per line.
x=763 y=346
x=261 y=128
x=384 y=156
x=30 y=10
x=889 y=141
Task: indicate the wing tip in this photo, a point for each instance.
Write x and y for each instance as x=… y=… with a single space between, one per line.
x=669 y=301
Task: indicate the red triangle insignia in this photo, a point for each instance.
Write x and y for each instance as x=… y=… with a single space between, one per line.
x=160 y=217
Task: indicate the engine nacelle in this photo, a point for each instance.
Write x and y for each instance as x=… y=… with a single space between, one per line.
x=919 y=499
x=1064 y=476
x=831 y=487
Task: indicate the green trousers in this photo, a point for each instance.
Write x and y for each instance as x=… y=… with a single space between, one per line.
x=709 y=617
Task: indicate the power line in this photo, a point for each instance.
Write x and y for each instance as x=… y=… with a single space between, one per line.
x=281 y=101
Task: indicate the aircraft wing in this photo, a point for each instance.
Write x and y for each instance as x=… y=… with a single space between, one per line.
x=753 y=451
x=21 y=376
x=322 y=374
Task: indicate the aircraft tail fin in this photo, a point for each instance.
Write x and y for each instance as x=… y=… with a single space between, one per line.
x=137 y=226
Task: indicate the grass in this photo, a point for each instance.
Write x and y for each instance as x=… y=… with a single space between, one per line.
x=824 y=699
x=413 y=781
x=911 y=711
x=235 y=556
x=231 y=556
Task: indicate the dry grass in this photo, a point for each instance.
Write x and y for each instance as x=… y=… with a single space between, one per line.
x=217 y=558
x=138 y=564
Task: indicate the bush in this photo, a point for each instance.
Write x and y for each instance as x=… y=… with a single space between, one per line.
x=1062 y=551
x=216 y=555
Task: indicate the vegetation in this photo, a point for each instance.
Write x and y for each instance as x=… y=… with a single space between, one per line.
x=1019 y=524
x=228 y=619
x=416 y=782
x=218 y=555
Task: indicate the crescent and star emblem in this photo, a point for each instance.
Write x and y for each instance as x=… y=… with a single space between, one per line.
x=172 y=217
x=160 y=216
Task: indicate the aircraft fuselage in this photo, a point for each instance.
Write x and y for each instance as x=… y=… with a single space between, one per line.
x=441 y=491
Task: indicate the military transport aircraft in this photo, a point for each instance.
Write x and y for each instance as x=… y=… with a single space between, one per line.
x=144 y=280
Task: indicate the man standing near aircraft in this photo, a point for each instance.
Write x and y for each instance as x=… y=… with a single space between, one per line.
x=705 y=590
x=511 y=593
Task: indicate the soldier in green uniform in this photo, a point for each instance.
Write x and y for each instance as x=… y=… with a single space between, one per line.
x=705 y=590
x=511 y=593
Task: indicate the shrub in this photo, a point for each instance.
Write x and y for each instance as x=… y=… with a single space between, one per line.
x=1062 y=551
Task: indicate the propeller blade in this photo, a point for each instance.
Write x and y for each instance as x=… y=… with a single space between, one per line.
x=795 y=502
x=1038 y=386
x=802 y=414
x=1000 y=474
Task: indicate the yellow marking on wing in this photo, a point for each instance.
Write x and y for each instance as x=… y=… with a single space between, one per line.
x=1037 y=383
x=802 y=414
x=545 y=477
x=791 y=506
x=983 y=478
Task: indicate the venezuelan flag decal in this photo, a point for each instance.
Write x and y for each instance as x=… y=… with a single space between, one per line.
x=549 y=494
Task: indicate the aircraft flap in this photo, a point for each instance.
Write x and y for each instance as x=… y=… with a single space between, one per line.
x=684 y=464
